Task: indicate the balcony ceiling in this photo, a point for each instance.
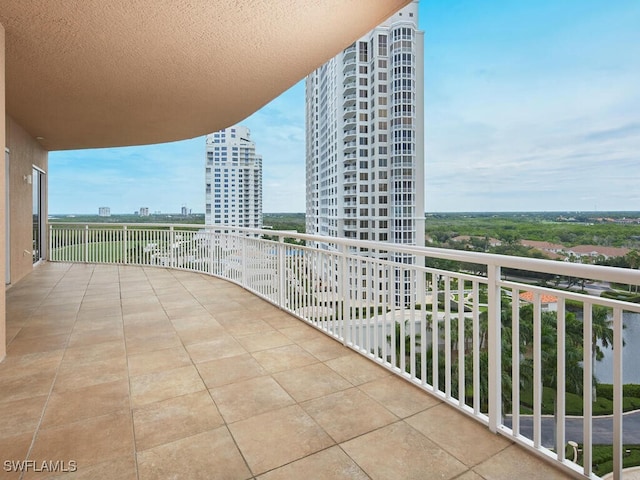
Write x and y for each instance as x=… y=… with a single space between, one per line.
x=97 y=74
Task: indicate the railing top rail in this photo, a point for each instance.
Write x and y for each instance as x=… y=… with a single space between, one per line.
x=595 y=272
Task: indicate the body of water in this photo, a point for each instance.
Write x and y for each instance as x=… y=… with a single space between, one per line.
x=630 y=354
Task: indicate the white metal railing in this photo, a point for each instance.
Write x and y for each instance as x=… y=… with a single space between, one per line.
x=452 y=322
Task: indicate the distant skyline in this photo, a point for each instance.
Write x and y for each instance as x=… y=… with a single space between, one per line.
x=528 y=107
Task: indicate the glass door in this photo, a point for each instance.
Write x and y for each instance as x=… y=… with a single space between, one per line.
x=38 y=220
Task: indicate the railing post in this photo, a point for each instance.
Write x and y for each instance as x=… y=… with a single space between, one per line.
x=50 y=242
x=243 y=259
x=209 y=235
x=494 y=340
x=86 y=244
x=343 y=292
x=125 y=253
x=172 y=238
x=281 y=272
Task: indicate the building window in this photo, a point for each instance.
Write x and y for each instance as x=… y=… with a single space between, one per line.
x=363 y=52
x=382 y=45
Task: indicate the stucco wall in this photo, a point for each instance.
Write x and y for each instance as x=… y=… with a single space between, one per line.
x=24 y=153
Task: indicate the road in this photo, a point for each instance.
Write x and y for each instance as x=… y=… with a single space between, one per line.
x=602 y=429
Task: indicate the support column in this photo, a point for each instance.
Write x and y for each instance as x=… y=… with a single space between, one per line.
x=3 y=206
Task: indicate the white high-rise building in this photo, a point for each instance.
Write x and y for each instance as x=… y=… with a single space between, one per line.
x=365 y=140
x=233 y=179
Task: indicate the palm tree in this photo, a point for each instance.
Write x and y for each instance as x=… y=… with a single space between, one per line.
x=408 y=344
x=602 y=331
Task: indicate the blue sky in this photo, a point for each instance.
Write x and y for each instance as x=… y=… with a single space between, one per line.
x=528 y=106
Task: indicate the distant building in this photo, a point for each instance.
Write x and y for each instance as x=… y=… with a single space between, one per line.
x=365 y=142
x=548 y=303
x=365 y=146
x=143 y=212
x=184 y=211
x=104 y=212
x=594 y=251
x=233 y=178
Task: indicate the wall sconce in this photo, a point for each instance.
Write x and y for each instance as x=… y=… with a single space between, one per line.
x=27 y=179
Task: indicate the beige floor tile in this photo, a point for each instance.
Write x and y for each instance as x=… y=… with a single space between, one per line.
x=98 y=314
x=174 y=418
x=46 y=330
x=472 y=443
x=311 y=381
x=73 y=405
x=230 y=370
x=146 y=327
x=28 y=386
x=300 y=333
x=154 y=387
x=413 y=456
x=16 y=367
x=215 y=307
x=88 y=442
x=90 y=353
x=209 y=455
x=470 y=475
x=399 y=396
x=221 y=346
x=331 y=463
x=158 y=360
x=92 y=370
x=347 y=414
x=263 y=341
x=20 y=416
x=97 y=335
x=25 y=345
x=325 y=348
x=357 y=369
x=184 y=311
x=199 y=333
x=281 y=320
x=244 y=327
x=512 y=462
x=241 y=400
x=276 y=438
x=13 y=449
x=284 y=358
x=152 y=342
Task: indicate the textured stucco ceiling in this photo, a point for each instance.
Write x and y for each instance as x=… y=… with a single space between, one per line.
x=96 y=73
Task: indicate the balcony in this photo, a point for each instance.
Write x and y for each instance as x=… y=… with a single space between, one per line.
x=127 y=369
x=297 y=348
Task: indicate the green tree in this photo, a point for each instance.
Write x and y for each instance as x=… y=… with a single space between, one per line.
x=601 y=331
x=408 y=343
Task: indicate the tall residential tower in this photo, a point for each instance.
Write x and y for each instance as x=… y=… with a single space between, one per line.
x=233 y=179
x=365 y=142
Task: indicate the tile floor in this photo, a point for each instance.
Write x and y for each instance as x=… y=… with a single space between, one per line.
x=143 y=373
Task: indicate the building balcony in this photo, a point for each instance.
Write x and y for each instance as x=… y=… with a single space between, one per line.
x=192 y=349
x=350 y=179
x=349 y=111
x=350 y=99
x=149 y=373
x=349 y=133
x=349 y=65
x=349 y=77
x=349 y=52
